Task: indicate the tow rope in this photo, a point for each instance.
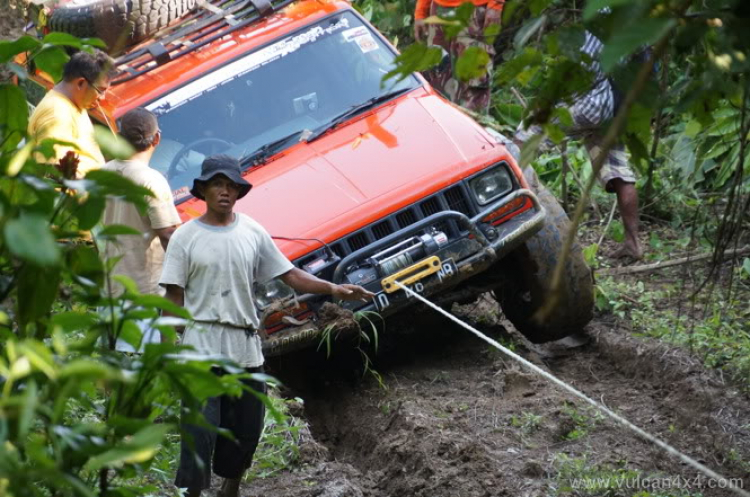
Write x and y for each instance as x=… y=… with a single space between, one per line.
x=728 y=483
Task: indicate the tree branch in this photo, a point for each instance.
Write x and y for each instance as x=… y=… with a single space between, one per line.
x=647 y=268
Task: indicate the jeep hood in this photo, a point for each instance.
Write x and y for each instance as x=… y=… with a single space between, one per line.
x=366 y=169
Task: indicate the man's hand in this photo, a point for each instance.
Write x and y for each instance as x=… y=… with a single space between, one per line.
x=420 y=30
x=304 y=282
x=351 y=292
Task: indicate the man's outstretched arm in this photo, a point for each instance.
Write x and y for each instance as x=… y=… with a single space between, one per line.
x=304 y=282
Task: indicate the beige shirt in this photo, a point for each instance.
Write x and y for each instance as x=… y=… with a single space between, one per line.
x=142 y=255
x=57 y=117
x=218 y=267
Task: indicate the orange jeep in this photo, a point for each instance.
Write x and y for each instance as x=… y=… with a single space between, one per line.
x=358 y=180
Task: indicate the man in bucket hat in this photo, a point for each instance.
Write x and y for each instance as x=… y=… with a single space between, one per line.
x=210 y=267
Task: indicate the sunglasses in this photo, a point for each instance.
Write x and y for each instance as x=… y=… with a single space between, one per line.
x=98 y=90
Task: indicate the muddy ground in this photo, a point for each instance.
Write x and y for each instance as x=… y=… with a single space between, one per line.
x=457 y=418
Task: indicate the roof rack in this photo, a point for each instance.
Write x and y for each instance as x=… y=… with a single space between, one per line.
x=211 y=20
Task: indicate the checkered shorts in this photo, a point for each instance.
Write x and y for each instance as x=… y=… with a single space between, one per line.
x=589 y=113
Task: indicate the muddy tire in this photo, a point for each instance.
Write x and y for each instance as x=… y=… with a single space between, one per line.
x=527 y=272
x=118 y=23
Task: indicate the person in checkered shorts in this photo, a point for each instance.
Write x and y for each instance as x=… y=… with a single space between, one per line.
x=590 y=112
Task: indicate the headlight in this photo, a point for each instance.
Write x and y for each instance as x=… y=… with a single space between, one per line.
x=491 y=185
x=274 y=290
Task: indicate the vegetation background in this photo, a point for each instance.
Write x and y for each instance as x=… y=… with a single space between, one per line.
x=79 y=419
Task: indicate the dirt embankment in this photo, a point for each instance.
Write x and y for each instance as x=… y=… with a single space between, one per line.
x=460 y=419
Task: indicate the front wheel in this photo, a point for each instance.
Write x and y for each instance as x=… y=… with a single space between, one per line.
x=527 y=272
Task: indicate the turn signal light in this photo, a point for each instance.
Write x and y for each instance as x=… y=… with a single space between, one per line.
x=504 y=213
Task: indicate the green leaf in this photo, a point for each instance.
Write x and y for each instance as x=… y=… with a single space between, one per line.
x=555 y=133
x=462 y=14
x=746 y=268
x=127 y=283
x=40 y=357
x=538 y=6
x=570 y=41
x=37 y=290
x=529 y=150
x=617 y=231
x=141 y=314
x=14 y=113
x=18 y=70
x=131 y=334
x=532 y=27
x=626 y=41
x=693 y=128
x=140 y=448
x=9 y=49
x=509 y=71
x=472 y=64
x=111 y=144
x=490 y=34
x=18 y=160
x=84 y=262
x=90 y=370
x=562 y=114
x=594 y=6
x=73 y=321
x=28 y=408
x=29 y=238
x=415 y=58
x=63 y=39
x=112 y=183
x=113 y=230
x=510 y=114
x=90 y=212
x=162 y=303
x=589 y=255
x=51 y=60
x=94 y=42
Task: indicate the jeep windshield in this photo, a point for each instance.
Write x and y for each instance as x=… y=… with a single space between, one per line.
x=295 y=88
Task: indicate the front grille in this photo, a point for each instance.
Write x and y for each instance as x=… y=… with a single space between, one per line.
x=430 y=206
x=455 y=198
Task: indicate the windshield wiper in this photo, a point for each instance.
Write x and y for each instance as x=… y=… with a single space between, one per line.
x=357 y=109
x=265 y=151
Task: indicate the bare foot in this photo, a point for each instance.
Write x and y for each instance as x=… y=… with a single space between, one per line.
x=628 y=251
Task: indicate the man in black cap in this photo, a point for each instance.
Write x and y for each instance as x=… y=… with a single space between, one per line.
x=210 y=267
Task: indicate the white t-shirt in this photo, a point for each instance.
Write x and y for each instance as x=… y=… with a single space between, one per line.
x=217 y=266
x=142 y=255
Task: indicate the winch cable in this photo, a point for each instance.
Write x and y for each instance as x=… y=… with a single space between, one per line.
x=731 y=485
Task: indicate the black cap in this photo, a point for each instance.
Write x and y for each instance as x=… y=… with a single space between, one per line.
x=221 y=164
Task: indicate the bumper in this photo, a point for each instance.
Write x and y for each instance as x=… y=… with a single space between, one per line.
x=472 y=254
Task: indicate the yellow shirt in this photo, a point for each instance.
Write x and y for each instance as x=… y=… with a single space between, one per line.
x=57 y=117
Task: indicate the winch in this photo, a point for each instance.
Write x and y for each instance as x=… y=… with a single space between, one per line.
x=398 y=256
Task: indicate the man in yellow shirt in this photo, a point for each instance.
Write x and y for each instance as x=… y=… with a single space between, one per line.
x=62 y=113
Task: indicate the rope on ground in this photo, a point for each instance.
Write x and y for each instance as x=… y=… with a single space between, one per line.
x=643 y=434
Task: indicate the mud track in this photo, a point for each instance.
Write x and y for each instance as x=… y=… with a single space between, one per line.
x=459 y=419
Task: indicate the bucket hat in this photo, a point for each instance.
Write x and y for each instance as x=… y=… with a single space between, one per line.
x=221 y=164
